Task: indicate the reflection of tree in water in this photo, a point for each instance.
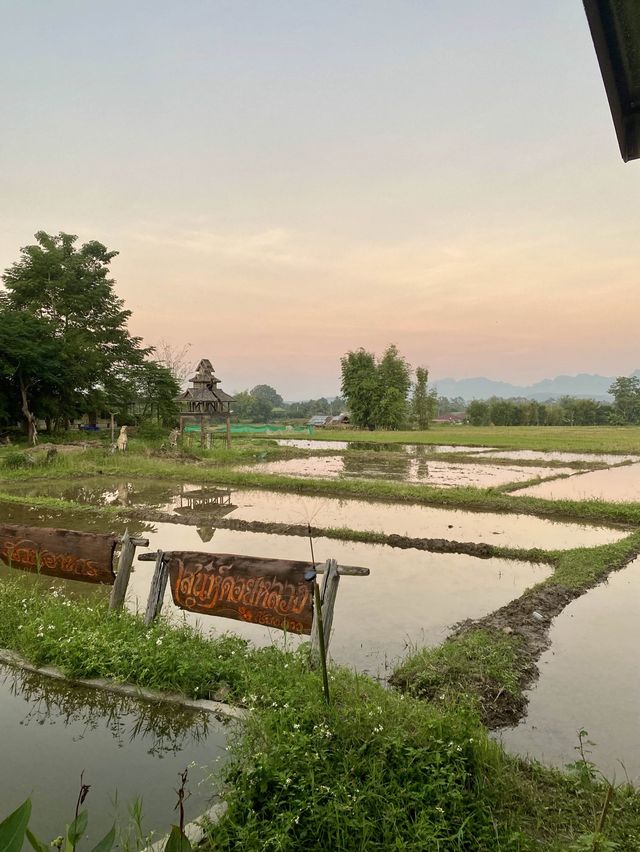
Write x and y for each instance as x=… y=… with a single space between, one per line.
x=379 y=466
x=168 y=728
x=421 y=463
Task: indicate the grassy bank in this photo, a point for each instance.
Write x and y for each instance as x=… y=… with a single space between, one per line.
x=580 y=439
x=375 y=770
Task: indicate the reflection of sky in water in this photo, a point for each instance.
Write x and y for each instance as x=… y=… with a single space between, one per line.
x=533 y=455
x=589 y=679
x=620 y=484
x=51 y=732
x=406 y=469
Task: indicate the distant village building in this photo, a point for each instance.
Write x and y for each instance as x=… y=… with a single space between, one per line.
x=319 y=420
x=204 y=400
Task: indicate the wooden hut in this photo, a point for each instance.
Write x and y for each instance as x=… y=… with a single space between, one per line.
x=204 y=401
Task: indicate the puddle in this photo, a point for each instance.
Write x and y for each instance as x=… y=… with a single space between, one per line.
x=406 y=469
x=620 y=484
x=51 y=732
x=535 y=455
x=411 y=597
x=524 y=531
x=589 y=679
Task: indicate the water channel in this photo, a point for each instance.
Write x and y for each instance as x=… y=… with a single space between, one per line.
x=51 y=731
x=589 y=679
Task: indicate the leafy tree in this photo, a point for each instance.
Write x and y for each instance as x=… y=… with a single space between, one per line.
x=376 y=391
x=70 y=288
x=479 y=413
x=32 y=364
x=360 y=387
x=246 y=406
x=152 y=393
x=266 y=392
x=626 y=393
x=425 y=402
x=394 y=382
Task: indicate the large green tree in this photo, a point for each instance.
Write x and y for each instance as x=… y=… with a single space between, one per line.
x=32 y=370
x=376 y=391
x=360 y=387
x=69 y=288
x=626 y=393
x=424 y=402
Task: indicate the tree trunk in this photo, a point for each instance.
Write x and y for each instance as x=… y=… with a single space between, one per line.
x=25 y=410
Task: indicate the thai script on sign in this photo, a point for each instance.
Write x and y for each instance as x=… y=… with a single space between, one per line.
x=58 y=553
x=272 y=592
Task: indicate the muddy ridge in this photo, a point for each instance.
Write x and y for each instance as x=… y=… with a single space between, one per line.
x=529 y=618
x=433 y=545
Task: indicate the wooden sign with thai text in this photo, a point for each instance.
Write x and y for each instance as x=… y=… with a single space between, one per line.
x=58 y=553
x=272 y=592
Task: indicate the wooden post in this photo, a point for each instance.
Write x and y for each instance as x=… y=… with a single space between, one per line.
x=127 y=553
x=202 y=438
x=328 y=594
x=158 y=586
x=113 y=428
x=228 y=424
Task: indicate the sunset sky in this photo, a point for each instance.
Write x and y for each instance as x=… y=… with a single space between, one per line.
x=286 y=180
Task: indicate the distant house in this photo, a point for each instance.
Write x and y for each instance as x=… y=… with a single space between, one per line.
x=339 y=419
x=319 y=420
x=453 y=417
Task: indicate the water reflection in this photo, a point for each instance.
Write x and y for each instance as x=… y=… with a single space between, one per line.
x=128 y=749
x=167 y=729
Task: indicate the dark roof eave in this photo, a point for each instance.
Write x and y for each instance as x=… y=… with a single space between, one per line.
x=619 y=66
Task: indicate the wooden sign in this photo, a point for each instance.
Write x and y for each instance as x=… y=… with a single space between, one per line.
x=58 y=553
x=272 y=592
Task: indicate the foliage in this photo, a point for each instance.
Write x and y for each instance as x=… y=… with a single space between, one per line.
x=424 y=403
x=360 y=387
x=376 y=391
x=14 y=832
x=151 y=393
x=626 y=393
x=76 y=350
x=267 y=393
x=567 y=411
x=246 y=406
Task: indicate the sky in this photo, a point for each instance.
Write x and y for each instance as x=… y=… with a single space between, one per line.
x=288 y=180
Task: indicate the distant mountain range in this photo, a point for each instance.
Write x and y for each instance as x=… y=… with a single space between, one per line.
x=584 y=386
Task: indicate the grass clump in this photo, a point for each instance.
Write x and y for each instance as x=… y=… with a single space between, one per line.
x=85 y=640
x=480 y=666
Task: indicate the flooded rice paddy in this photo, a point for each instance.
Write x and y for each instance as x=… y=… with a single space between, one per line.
x=619 y=484
x=406 y=468
x=415 y=521
x=539 y=455
x=411 y=598
x=127 y=749
x=590 y=679
x=377 y=447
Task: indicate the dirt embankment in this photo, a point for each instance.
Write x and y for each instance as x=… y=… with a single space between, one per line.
x=433 y=545
x=529 y=619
